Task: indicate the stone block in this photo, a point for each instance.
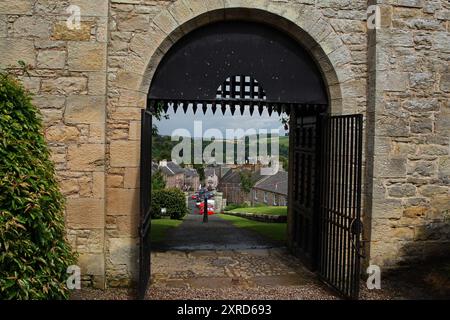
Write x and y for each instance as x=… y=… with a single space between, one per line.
x=114 y=181
x=86 y=157
x=89 y=8
x=134 y=132
x=166 y=22
x=445 y=82
x=128 y=225
x=92 y=263
x=432 y=190
x=62 y=133
x=422 y=168
x=49 y=102
x=32 y=84
x=51 y=116
x=401 y=190
x=98 y=185
x=122 y=202
x=395 y=81
x=387 y=209
x=86 y=56
x=123 y=251
x=97 y=83
x=415 y=212
x=421 y=125
x=16 y=7
x=85 y=109
x=133 y=23
x=131 y=178
x=31 y=27
x=410 y=3
x=13 y=50
x=125 y=153
x=421 y=105
x=389 y=167
x=85 y=213
x=65 y=85
x=62 y=32
x=51 y=59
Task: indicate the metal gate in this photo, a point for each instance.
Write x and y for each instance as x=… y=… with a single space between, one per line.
x=304 y=135
x=145 y=201
x=339 y=209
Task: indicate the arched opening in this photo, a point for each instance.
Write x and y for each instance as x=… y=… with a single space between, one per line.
x=216 y=67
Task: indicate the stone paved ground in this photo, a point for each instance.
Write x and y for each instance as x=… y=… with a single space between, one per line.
x=242 y=266
x=233 y=274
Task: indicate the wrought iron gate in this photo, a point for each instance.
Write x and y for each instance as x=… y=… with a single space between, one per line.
x=145 y=201
x=339 y=209
x=304 y=135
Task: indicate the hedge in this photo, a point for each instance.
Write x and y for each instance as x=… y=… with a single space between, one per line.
x=34 y=254
x=172 y=199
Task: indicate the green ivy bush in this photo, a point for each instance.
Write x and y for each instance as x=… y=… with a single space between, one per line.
x=34 y=253
x=172 y=199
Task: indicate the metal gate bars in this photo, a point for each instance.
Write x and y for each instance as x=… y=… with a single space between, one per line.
x=340 y=203
x=145 y=202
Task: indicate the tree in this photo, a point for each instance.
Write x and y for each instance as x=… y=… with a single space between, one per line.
x=201 y=172
x=34 y=253
x=158 y=182
x=247 y=182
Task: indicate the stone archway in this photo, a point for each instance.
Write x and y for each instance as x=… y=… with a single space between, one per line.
x=130 y=79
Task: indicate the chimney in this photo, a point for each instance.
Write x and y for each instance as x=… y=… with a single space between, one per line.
x=163 y=163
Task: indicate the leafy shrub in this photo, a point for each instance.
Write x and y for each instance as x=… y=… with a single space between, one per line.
x=158 y=182
x=34 y=254
x=172 y=199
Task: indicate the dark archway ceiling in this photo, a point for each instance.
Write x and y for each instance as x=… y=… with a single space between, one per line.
x=199 y=63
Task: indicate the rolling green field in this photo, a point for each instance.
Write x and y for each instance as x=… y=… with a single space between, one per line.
x=273 y=231
x=278 y=211
x=160 y=227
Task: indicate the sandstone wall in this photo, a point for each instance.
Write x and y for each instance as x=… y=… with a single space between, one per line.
x=410 y=57
x=68 y=81
x=140 y=34
x=91 y=85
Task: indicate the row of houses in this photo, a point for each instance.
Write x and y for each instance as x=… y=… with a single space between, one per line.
x=175 y=176
x=268 y=190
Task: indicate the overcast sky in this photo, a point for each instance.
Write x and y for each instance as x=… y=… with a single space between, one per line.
x=180 y=120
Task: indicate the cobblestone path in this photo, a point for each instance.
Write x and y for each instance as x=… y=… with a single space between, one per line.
x=233 y=274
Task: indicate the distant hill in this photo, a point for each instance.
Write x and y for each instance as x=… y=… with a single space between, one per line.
x=162 y=147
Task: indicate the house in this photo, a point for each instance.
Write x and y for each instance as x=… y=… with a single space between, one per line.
x=212 y=176
x=173 y=174
x=271 y=190
x=191 y=179
x=230 y=185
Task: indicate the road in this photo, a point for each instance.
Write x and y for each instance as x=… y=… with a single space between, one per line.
x=217 y=234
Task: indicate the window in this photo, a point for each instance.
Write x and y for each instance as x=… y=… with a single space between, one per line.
x=275 y=200
x=265 y=197
x=255 y=194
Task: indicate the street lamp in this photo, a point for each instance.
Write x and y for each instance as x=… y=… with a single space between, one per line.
x=205 y=210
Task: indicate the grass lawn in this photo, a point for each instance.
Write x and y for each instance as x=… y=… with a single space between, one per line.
x=279 y=211
x=274 y=231
x=160 y=228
